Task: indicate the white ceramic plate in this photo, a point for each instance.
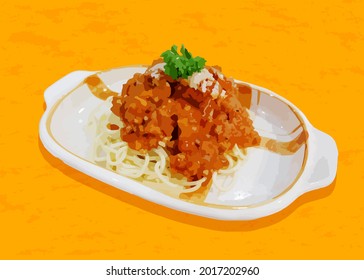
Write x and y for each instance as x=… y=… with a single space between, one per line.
x=296 y=157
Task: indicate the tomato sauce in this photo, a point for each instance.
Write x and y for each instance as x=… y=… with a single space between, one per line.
x=197 y=123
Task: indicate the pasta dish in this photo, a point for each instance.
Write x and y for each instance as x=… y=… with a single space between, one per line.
x=176 y=126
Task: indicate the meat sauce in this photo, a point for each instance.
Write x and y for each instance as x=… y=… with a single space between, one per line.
x=197 y=124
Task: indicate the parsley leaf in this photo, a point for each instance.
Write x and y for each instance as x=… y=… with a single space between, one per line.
x=181 y=66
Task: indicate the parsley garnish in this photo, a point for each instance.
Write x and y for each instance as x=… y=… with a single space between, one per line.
x=184 y=65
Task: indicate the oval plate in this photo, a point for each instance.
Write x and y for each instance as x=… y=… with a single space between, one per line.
x=294 y=157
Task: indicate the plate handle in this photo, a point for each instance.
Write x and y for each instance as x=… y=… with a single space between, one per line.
x=322 y=164
x=63 y=86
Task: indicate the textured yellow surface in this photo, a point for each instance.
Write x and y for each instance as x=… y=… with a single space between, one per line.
x=309 y=52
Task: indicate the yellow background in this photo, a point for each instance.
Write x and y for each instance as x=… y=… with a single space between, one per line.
x=310 y=52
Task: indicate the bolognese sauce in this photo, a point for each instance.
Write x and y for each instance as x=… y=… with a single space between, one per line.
x=197 y=119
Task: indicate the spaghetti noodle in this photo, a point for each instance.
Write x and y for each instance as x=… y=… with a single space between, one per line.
x=152 y=166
